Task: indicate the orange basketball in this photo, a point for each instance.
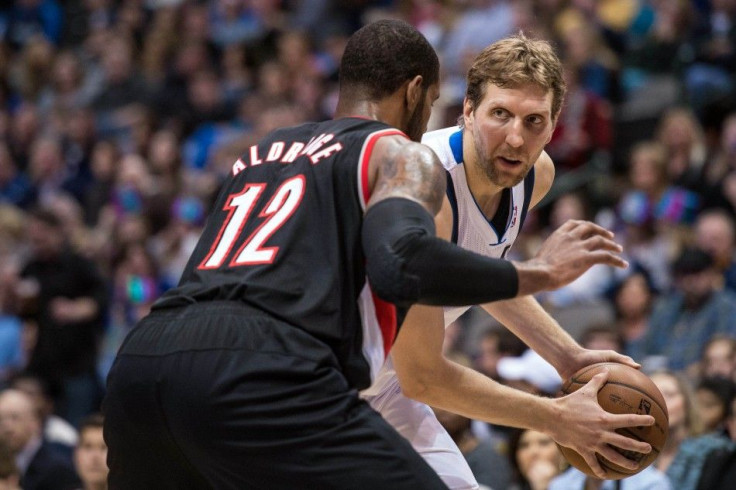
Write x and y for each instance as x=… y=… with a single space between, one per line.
x=627 y=390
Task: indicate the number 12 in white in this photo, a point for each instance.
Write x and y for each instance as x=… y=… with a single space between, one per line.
x=239 y=207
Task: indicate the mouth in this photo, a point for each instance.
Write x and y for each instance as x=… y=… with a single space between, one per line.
x=509 y=161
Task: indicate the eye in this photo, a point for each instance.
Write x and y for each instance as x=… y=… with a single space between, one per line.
x=500 y=113
x=535 y=119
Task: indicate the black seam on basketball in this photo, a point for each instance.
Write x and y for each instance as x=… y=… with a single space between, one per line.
x=627 y=386
x=603 y=462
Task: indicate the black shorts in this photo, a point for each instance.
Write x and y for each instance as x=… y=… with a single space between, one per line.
x=222 y=396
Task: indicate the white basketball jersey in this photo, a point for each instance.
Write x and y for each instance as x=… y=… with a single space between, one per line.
x=471 y=230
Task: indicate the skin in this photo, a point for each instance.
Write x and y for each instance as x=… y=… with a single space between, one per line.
x=403 y=168
x=712 y=410
x=90 y=459
x=677 y=411
x=718 y=359
x=521 y=122
x=18 y=421
x=538 y=458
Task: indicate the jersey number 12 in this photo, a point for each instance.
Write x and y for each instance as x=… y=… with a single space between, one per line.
x=239 y=207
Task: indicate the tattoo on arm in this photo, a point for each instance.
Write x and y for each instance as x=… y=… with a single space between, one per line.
x=410 y=171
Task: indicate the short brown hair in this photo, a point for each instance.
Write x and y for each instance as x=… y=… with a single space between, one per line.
x=514 y=61
x=92 y=421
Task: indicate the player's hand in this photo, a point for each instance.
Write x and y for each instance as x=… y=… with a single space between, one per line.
x=585 y=357
x=574 y=248
x=588 y=429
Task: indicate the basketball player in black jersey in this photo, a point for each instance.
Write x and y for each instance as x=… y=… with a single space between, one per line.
x=246 y=374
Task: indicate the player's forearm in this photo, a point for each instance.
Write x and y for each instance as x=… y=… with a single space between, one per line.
x=427 y=376
x=467 y=392
x=526 y=318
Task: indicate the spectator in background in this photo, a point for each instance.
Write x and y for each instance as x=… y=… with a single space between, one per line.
x=535 y=460
x=684 y=319
x=720 y=172
x=72 y=301
x=649 y=478
x=494 y=344
x=685 y=451
x=90 y=455
x=529 y=372
x=602 y=337
x=719 y=471
x=9 y=474
x=712 y=397
x=584 y=129
x=633 y=299
x=41 y=466
x=590 y=286
x=719 y=357
x=57 y=432
x=715 y=232
x=654 y=196
x=649 y=210
x=681 y=135
x=15 y=188
x=33 y=18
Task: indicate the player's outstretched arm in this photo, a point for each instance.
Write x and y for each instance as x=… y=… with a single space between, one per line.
x=526 y=318
x=575 y=420
x=566 y=254
x=406 y=263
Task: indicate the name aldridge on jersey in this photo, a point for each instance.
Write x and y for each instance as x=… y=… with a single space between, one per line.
x=314 y=149
x=284 y=237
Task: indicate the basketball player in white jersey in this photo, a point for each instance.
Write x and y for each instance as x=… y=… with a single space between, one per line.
x=497 y=171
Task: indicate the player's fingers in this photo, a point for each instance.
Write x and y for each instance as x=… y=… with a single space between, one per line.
x=614 y=356
x=595 y=384
x=627 y=444
x=598 y=242
x=619 y=421
x=617 y=458
x=592 y=460
x=607 y=258
x=585 y=229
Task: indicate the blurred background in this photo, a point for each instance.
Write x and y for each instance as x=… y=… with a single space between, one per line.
x=120 y=118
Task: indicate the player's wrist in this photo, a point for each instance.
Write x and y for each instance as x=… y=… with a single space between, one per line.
x=534 y=276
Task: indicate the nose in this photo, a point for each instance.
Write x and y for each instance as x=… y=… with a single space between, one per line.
x=513 y=135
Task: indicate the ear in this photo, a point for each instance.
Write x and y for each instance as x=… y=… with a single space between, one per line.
x=414 y=92
x=468 y=112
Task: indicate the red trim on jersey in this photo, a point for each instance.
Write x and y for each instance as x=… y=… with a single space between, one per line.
x=386 y=316
x=368 y=149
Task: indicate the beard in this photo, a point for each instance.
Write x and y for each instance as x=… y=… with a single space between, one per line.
x=415 y=126
x=494 y=174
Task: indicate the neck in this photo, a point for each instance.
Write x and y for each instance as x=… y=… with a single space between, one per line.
x=486 y=193
x=95 y=485
x=389 y=110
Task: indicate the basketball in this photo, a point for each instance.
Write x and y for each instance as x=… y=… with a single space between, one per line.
x=627 y=390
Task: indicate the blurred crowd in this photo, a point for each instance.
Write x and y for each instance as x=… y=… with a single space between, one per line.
x=119 y=119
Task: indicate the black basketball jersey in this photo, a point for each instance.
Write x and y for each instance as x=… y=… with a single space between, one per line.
x=285 y=237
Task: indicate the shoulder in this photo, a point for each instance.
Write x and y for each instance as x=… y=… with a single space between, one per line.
x=544 y=175
x=447 y=143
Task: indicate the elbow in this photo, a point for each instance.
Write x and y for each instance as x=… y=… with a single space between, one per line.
x=390 y=282
x=418 y=387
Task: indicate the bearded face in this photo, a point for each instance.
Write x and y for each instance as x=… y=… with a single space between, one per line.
x=509 y=128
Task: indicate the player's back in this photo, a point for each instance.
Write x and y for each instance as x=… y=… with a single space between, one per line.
x=284 y=237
